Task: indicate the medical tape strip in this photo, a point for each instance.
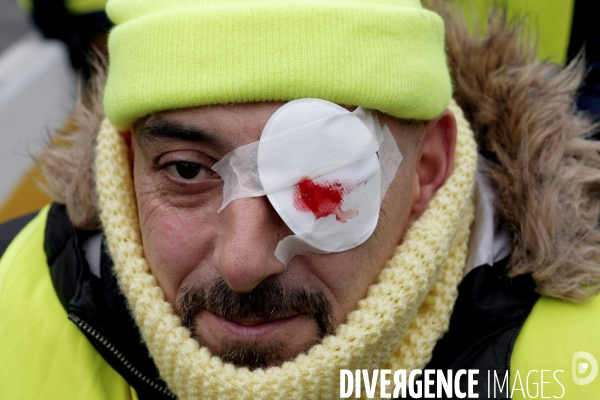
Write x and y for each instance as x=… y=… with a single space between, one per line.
x=240 y=168
x=390 y=159
x=239 y=171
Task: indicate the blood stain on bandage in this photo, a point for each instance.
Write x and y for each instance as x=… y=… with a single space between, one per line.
x=322 y=199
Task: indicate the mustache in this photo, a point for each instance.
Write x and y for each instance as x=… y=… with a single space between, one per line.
x=268 y=301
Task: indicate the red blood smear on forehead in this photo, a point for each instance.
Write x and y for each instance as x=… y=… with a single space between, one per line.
x=322 y=199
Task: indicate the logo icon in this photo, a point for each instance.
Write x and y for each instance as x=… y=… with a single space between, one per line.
x=581 y=367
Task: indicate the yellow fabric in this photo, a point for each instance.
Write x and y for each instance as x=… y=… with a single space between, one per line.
x=396 y=325
x=544 y=344
x=26 y=5
x=78 y=7
x=549 y=20
x=75 y=7
x=382 y=54
x=44 y=355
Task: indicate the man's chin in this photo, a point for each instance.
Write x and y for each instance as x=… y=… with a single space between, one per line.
x=253 y=355
x=256 y=344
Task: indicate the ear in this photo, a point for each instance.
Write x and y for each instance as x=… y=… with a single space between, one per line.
x=435 y=160
x=129 y=139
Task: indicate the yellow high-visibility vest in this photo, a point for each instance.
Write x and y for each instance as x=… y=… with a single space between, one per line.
x=43 y=355
x=548 y=20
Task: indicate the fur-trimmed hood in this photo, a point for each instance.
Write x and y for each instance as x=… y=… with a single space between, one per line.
x=545 y=173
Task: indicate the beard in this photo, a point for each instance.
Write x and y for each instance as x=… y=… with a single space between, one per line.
x=268 y=301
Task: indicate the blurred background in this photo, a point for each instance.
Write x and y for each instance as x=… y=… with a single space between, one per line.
x=43 y=47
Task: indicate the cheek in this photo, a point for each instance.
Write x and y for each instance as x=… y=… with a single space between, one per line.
x=349 y=274
x=346 y=277
x=177 y=240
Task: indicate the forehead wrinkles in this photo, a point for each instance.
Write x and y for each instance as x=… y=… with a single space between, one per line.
x=222 y=127
x=163 y=129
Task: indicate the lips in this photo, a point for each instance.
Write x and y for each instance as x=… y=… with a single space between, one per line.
x=248 y=329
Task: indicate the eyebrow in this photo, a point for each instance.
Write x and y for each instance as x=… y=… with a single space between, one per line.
x=160 y=130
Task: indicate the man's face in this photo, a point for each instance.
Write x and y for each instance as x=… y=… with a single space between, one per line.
x=219 y=271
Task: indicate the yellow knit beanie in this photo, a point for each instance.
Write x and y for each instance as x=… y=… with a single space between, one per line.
x=382 y=54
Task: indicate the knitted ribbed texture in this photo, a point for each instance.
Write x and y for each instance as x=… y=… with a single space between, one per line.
x=396 y=325
x=383 y=54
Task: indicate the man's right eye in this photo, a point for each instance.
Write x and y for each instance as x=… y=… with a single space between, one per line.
x=188 y=170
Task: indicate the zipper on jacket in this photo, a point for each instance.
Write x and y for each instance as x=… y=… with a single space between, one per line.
x=100 y=338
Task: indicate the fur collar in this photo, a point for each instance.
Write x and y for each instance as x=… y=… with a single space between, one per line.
x=545 y=174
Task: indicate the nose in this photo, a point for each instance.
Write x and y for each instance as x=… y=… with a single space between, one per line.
x=245 y=246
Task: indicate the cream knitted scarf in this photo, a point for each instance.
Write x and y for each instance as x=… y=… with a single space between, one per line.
x=396 y=326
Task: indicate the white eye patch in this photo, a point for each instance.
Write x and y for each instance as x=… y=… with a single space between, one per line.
x=324 y=169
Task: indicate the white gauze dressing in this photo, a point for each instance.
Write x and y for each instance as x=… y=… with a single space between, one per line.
x=324 y=169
